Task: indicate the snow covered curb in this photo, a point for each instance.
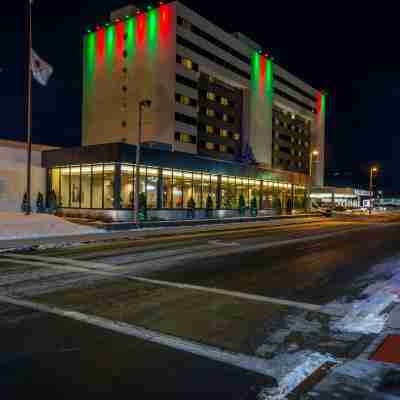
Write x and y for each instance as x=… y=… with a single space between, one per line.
x=291 y=370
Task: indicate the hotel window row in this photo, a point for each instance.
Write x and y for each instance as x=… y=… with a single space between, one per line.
x=97 y=186
x=222 y=132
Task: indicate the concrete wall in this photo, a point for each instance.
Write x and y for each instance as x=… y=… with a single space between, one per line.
x=13 y=175
x=123 y=64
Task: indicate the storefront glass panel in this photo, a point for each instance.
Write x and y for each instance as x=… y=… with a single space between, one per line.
x=64 y=200
x=127 y=186
x=109 y=177
x=75 y=187
x=97 y=186
x=86 y=177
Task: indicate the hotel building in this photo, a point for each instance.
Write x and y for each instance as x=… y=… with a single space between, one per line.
x=225 y=120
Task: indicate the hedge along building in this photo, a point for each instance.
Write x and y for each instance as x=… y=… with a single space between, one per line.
x=225 y=120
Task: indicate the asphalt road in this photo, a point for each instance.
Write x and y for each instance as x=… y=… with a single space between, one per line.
x=315 y=271
x=45 y=356
x=314 y=263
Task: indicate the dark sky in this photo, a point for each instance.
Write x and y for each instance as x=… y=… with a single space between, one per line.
x=348 y=48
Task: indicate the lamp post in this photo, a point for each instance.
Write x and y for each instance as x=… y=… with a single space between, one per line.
x=142 y=105
x=372 y=172
x=313 y=153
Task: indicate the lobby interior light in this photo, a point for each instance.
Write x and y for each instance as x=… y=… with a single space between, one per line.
x=315 y=153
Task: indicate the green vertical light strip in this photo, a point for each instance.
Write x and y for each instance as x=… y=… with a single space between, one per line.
x=90 y=59
x=110 y=48
x=152 y=31
x=130 y=30
x=269 y=80
x=323 y=103
x=255 y=71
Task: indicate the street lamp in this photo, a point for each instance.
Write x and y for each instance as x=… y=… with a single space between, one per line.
x=313 y=153
x=372 y=172
x=142 y=105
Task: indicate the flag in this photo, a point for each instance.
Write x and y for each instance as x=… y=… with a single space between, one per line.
x=40 y=69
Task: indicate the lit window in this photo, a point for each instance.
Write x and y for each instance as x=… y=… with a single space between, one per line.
x=276 y=121
x=300 y=142
x=223 y=133
x=210 y=129
x=209 y=146
x=224 y=101
x=223 y=148
x=236 y=136
x=210 y=112
x=225 y=117
x=300 y=153
x=306 y=144
x=300 y=164
x=293 y=152
x=185 y=100
x=187 y=63
x=211 y=96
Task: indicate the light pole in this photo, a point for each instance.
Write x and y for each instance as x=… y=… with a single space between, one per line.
x=142 y=105
x=313 y=153
x=372 y=172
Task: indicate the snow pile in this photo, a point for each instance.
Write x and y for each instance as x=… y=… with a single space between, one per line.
x=19 y=226
x=367 y=315
x=290 y=370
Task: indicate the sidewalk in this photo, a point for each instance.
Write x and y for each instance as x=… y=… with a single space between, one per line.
x=161 y=230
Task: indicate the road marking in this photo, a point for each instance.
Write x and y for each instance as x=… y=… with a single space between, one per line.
x=250 y=363
x=223 y=292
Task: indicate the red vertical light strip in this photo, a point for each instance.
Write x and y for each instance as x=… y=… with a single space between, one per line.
x=165 y=23
x=263 y=69
x=141 y=31
x=100 y=48
x=120 y=32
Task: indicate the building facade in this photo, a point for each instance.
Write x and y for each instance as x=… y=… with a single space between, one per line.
x=241 y=123
x=13 y=159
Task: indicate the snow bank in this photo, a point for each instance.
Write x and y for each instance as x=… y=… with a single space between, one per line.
x=368 y=315
x=15 y=225
x=290 y=370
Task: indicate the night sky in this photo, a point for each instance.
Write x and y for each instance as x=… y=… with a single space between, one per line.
x=350 y=49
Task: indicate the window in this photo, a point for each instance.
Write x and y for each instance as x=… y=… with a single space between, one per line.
x=186 y=81
x=109 y=176
x=127 y=186
x=236 y=136
x=225 y=117
x=76 y=187
x=86 y=179
x=185 y=119
x=212 y=39
x=223 y=148
x=224 y=101
x=210 y=112
x=212 y=57
x=211 y=96
x=167 y=188
x=97 y=190
x=177 y=189
x=223 y=133
x=228 y=193
x=210 y=129
x=151 y=187
x=185 y=100
x=184 y=137
x=64 y=198
x=210 y=146
x=187 y=63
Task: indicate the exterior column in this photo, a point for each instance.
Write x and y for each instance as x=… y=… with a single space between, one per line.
x=219 y=185
x=160 y=187
x=117 y=187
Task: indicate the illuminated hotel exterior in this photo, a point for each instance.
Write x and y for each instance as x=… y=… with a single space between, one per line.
x=225 y=121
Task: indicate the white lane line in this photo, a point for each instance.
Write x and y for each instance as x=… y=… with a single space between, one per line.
x=223 y=292
x=243 y=361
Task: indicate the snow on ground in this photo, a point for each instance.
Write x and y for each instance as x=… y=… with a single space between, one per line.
x=367 y=314
x=15 y=225
x=290 y=370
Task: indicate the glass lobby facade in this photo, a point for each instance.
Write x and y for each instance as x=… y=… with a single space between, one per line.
x=112 y=186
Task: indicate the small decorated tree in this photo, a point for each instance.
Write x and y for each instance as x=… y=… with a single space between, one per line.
x=276 y=204
x=52 y=202
x=242 y=205
x=25 y=204
x=209 y=206
x=254 y=207
x=142 y=206
x=40 y=203
x=191 y=206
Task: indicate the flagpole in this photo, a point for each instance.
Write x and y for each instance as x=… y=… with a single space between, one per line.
x=29 y=108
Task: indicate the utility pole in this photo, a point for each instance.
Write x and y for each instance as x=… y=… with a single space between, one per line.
x=372 y=171
x=313 y=153
x=29 y=106
x=142 y=105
